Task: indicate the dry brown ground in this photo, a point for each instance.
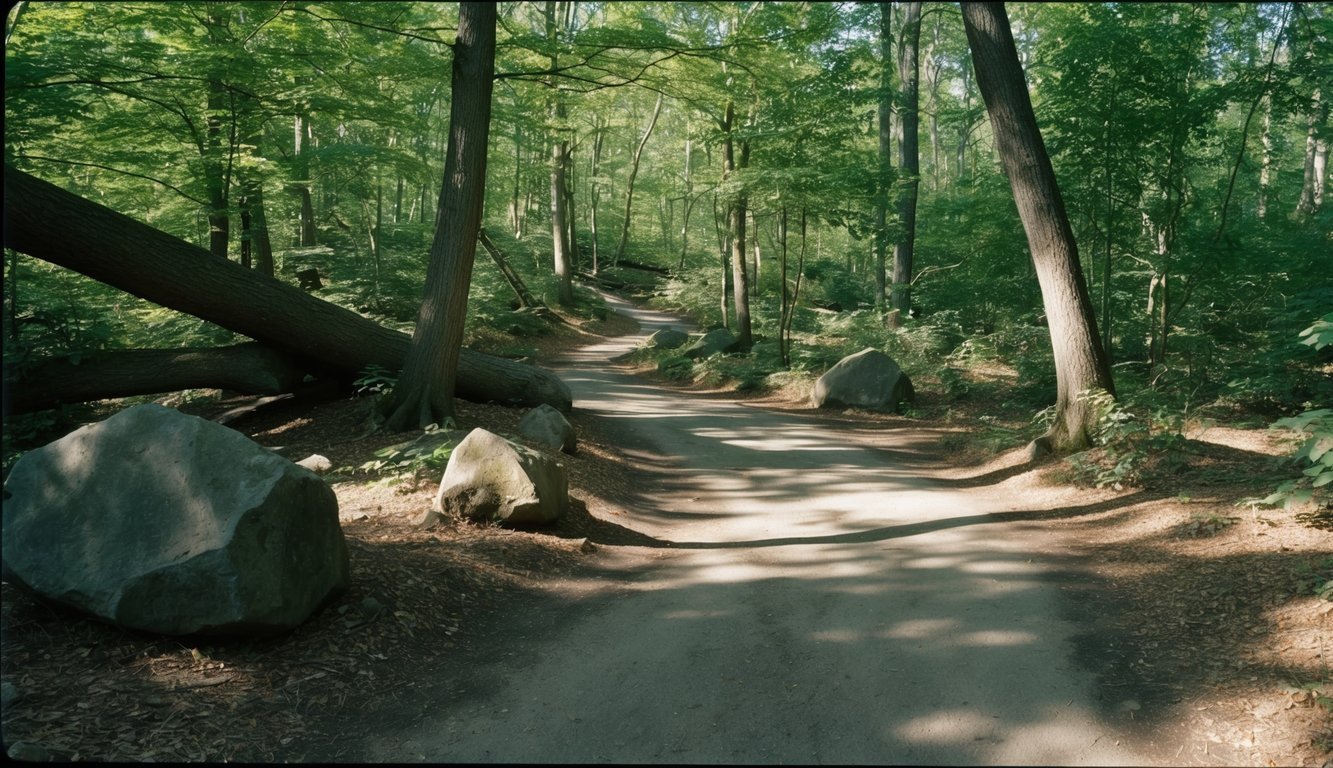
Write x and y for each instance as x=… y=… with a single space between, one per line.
x=1200 y=616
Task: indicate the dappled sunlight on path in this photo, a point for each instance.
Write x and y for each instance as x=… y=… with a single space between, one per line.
x=805 y=599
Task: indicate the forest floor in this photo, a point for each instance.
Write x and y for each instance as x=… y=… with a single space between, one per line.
x=1202 y=620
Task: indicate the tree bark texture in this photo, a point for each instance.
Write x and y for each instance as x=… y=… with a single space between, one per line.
x=1080 y=361
x=908 y=160
x=564 y=266
x=250 y=368
x=885 y=152
x=424 y=394
x=45 y=221
x=736 y=227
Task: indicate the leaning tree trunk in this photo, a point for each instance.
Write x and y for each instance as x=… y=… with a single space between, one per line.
x=45 y=221
x=424 y=394
x=1080 y=361
x=250 y=368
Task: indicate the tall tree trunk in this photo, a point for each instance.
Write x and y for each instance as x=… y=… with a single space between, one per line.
x=885 y=153
x=908 y=163
x=45 y=221
x=1313 y=180
x=1080 y=361
x=571 y=217
x=1266 y=163
x=933 y=78
x=736 y=228
x=424 y=393
x=219 y=220
x=515 y=213
x=688 y=198
x=595 y=188
x=564 y=267
x=629 y=186
x=254 y=226
x=758 y=260
x=305 y=230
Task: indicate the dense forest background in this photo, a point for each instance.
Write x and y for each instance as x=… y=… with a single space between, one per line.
x=1190 y=142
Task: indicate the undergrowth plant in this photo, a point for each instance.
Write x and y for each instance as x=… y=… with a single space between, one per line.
x=416 y=460
x=1129 y=441
x=1314 y=457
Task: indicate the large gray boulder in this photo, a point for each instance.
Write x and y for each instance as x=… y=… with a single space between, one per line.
x=171 y=524
x=490 y=478
x=716 y=340
x=668 y=338
x=868 y=379
x=549 y=428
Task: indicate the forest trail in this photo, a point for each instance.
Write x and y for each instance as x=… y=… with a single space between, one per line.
x=809 y=600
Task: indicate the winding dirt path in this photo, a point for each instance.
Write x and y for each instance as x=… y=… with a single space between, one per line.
x=806 y=599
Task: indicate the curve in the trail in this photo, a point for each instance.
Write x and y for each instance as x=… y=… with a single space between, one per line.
x=817 y=602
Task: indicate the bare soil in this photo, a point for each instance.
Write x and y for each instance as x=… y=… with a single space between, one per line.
x=1201 y=616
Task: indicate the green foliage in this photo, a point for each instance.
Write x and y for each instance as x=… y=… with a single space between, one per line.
x=375 y=380
x=676 y=367
x=1314 y=458
x=1320 y=334
x=1130 y=443
x=415 y=459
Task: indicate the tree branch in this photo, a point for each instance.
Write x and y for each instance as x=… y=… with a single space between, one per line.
x=171 y=187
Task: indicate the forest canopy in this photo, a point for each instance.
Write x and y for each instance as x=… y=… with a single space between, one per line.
x=754 y=150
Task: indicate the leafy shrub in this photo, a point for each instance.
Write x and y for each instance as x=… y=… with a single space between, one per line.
x=416 y=459
x=1315 y=455
x=676 y=368
x=1130 y=443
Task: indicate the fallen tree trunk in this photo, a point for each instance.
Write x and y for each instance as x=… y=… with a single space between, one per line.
x=643 y=267
x=45 y=221
x=250 y=368
x=516 y=284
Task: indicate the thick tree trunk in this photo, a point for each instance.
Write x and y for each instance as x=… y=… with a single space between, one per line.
x=305 y=229
x=1080 y=361
x=740 y=291
x=219 y=221
x=49 y=223
x=1315 y=164
x=885 y=125
x=629 y=187
x=564 y=267
x=424 y=394
x=908 y=163
x=255 y=230
x=250 y=368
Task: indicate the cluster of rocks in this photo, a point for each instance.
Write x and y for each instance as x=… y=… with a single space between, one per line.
x=171 y=524
x=167 y=523
x=868 y=379
x=710 y=343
